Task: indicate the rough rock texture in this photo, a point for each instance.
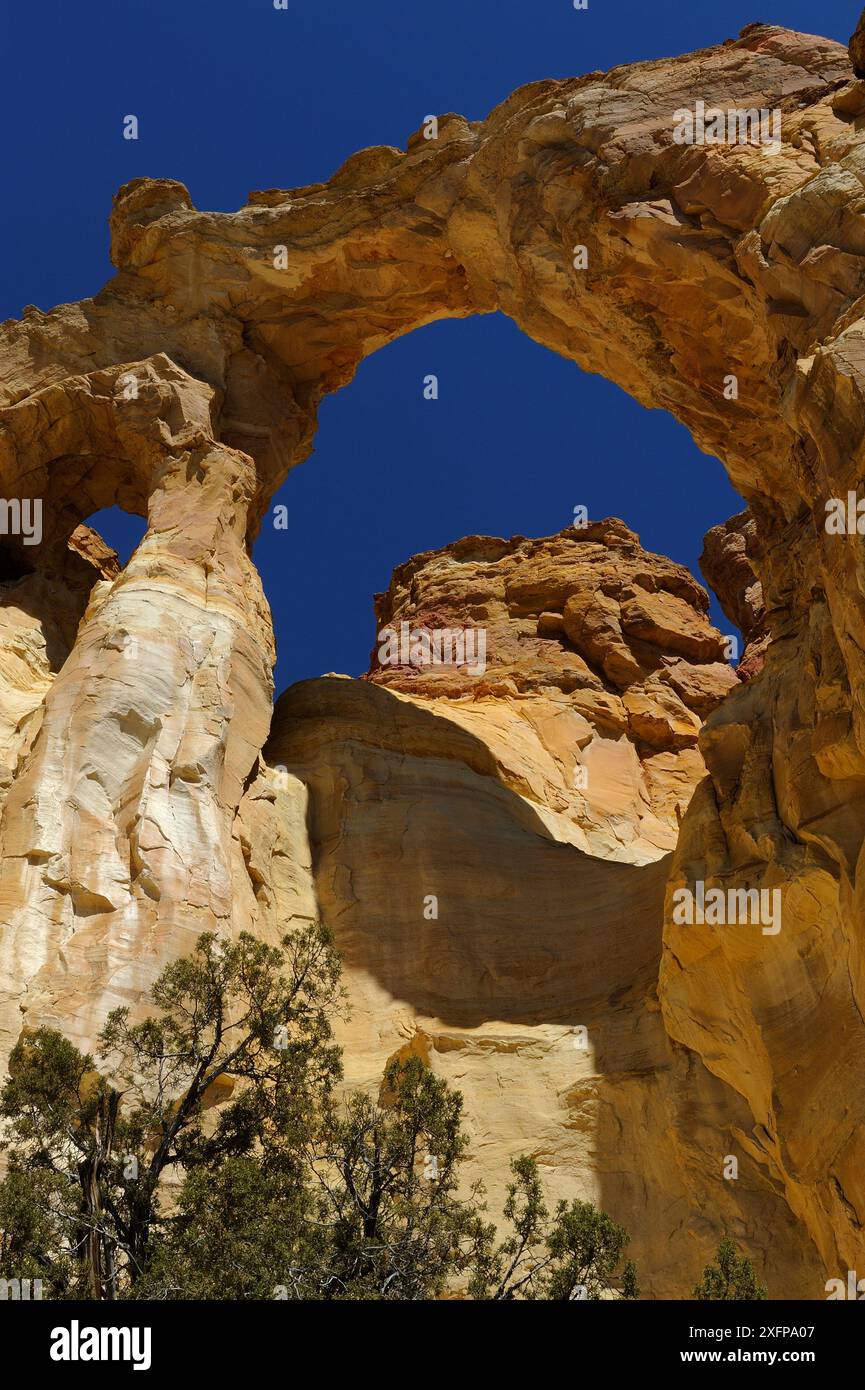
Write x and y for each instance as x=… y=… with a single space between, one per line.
x=139 y=809
x=548 y=900
x=857 y=47
x=118 y=843
x=39 y=616
x=599 y=664
x=728 y=563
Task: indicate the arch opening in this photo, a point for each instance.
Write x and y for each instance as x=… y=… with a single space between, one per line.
x=120 y=529
x=514 y=439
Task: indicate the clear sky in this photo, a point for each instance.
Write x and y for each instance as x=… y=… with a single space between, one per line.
x=233 y=95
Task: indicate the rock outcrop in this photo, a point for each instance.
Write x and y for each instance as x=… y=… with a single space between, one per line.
x=857 y=48
x=722 y=279
x=728 y=563
x=598 y=659
x=492 y=850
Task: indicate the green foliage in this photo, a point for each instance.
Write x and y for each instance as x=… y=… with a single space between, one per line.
x=240 y=1229
x=730 y=1277
x=209 y=1156
x=573 y=1256
x=29 y=1245
x=390 y=1176
x=244 y=1018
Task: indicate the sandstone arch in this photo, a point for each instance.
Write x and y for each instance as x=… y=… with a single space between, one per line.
x=703 y=261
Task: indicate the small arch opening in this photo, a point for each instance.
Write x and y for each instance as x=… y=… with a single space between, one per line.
x=122 y=531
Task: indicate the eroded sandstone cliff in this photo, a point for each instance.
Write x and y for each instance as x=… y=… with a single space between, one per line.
x=139 y=808
x=492 y=851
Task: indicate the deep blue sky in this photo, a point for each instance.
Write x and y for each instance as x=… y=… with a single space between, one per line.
x=236 y=96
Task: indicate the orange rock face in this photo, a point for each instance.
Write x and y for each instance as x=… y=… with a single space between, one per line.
x=493 y=848
x=728 y=562
x=720 y=279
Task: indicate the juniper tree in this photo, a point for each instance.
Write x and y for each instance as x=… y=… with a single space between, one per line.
x=243 y=1020
x=730 y=1277
x=390 y=1177
x=576 y=1254
x=210 y=1155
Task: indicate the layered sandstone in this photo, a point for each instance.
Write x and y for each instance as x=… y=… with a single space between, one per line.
x=139 y=810
x=492 y=850
x=728 y=563
x=599 y=664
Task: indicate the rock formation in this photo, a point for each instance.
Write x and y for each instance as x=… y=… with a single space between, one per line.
x=493 y=849
x=722 y=280
x=728 y=563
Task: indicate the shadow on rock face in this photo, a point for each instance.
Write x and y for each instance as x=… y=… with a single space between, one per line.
x=404 y=807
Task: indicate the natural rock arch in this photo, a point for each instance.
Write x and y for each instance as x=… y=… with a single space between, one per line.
x=121 y=837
